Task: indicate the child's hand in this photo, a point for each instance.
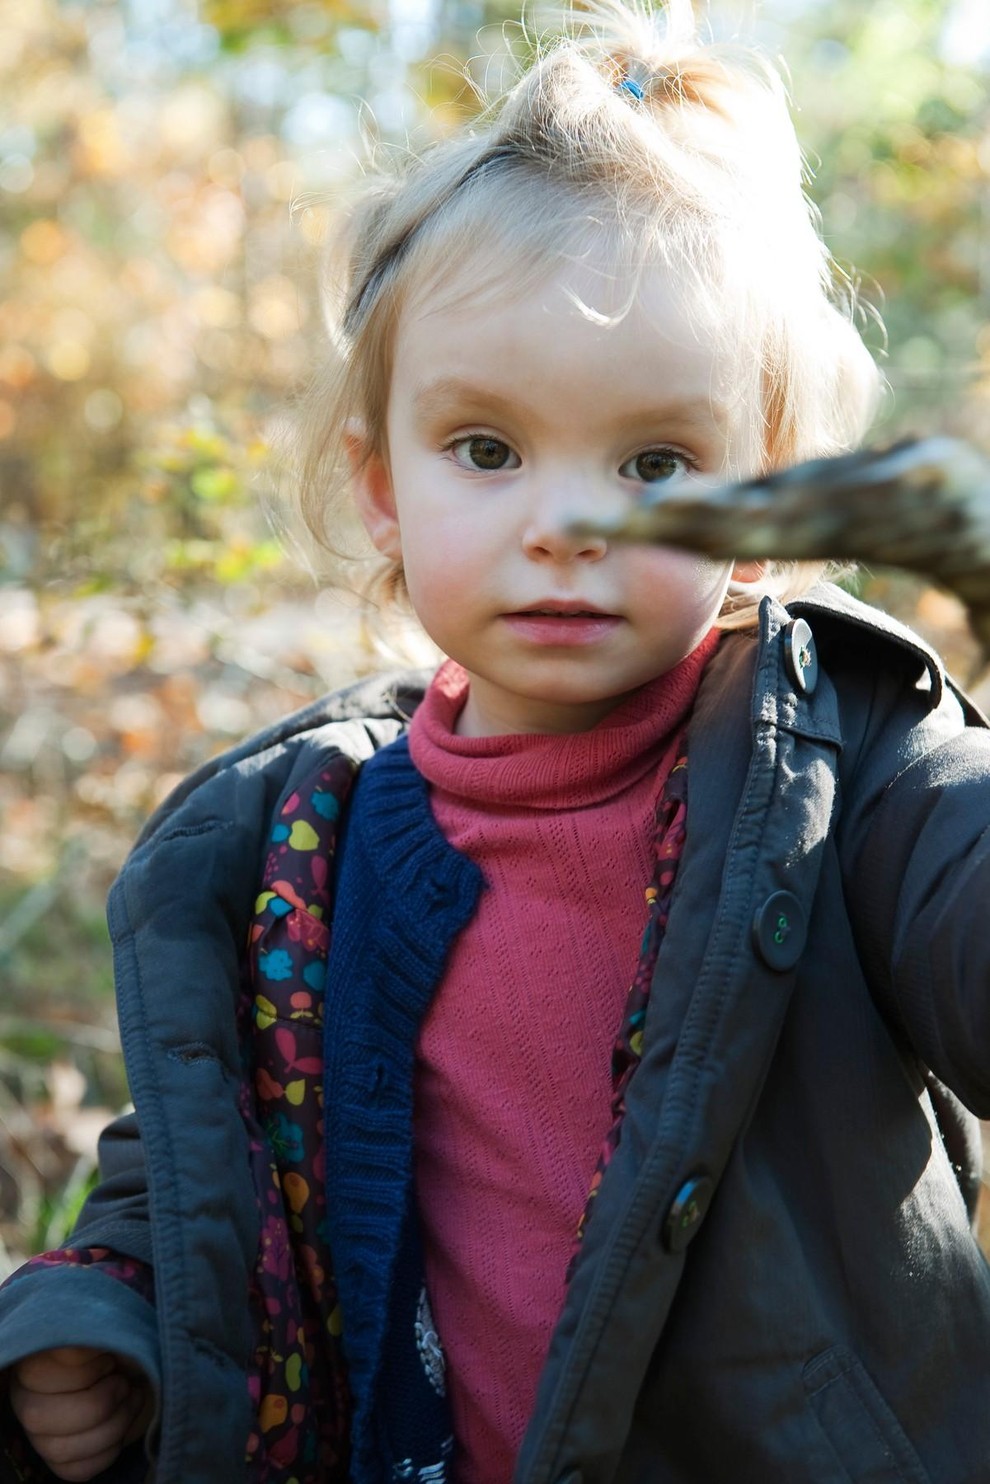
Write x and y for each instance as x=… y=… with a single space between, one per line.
x=79 y=1407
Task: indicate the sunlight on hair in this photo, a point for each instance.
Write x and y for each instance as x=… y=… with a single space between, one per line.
x=632 y=132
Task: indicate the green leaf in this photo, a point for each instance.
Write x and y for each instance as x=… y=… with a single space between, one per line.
x=216 y=484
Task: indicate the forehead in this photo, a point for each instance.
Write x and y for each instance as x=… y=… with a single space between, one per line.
x=584 y=321
x=597 y=269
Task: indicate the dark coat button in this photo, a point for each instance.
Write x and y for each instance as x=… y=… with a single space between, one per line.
x=800 y=655
x=687 y=1211
x=780 y=930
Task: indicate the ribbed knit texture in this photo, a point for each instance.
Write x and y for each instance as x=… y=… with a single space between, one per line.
x=513 y=1084
x=402 y=897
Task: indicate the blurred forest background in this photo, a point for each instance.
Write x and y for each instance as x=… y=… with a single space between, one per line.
x=168 y=171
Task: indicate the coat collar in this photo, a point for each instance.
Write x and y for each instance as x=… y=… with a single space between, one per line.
x=837 y=610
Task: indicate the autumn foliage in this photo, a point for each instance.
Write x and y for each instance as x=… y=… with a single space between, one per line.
x=167 y=174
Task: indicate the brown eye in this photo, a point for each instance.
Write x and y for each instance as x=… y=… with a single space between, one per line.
x=488 y=453
x=483 y=453
x=655 y=465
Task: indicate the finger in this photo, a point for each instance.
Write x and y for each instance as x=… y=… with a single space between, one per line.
x=69 y=1413
x=87 y=1446
x=139 y=1406
x=56 y=1371
x=84 y=1469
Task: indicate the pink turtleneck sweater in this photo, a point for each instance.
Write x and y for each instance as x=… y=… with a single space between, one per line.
x=512 y=1082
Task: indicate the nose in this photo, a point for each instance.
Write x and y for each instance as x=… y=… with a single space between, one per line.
x=548 y=535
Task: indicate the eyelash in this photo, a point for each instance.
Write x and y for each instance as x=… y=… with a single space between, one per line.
x=688 y=463
x=466 y=439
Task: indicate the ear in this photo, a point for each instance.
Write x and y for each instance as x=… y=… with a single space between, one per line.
x=372 y=486
x=748 y=572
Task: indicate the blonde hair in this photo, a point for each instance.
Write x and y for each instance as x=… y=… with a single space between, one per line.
x=627 y=132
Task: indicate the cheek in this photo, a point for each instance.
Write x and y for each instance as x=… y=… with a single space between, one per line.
x=438 y=572
x=681 y=577
x=435 y=553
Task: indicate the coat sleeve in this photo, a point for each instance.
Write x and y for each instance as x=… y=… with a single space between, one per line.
x=98 y=1290
x=916 y=827
x=116 y=1213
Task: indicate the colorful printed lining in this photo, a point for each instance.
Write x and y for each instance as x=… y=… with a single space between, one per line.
x=297 y=1380
x=137 y=1275
x=669 y=835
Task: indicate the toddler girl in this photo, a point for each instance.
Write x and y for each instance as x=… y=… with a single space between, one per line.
x=547 y=1076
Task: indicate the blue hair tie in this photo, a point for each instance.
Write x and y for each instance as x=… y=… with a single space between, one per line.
x=630 y=85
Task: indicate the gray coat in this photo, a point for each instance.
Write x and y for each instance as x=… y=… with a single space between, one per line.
x=780 y=1282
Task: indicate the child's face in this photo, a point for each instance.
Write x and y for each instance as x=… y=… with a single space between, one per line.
x=508 y=419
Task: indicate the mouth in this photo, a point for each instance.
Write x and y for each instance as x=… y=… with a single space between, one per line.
x=562 y=624
x=562 y=610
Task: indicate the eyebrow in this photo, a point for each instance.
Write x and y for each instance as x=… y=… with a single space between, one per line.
x=434 y=398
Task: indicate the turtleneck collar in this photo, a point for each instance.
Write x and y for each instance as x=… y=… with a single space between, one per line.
x=551 y=771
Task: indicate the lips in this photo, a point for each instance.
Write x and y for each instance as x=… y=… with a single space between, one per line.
x=562 y=609
x=559 y=612
x=562 y=624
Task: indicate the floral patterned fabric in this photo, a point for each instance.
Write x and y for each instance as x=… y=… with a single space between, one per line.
x=137 y=1275
x=298 y=1380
